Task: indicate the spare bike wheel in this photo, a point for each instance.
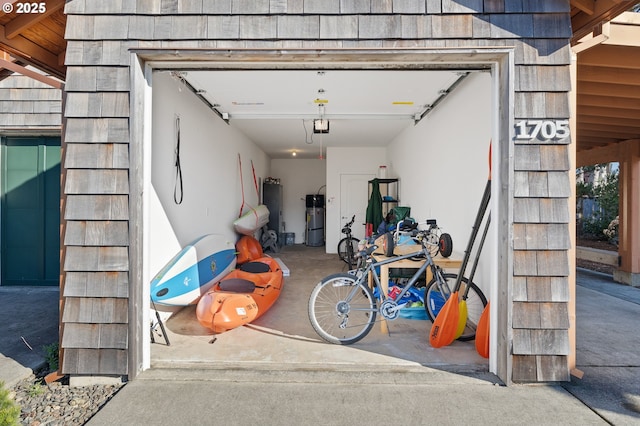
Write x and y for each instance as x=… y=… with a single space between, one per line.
x=445 y=245
x=387 y=244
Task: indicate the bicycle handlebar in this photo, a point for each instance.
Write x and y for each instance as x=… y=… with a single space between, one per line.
x=419 y=234
x=367 y=251
x=347 y=227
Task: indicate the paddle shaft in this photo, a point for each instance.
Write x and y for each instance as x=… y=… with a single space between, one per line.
x=448 y=323
x=475 y=261
x=484 y=203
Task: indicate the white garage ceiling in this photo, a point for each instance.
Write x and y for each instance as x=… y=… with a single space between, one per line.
x=276 y=108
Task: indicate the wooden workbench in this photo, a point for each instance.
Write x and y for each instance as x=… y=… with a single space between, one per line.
x=452 y=262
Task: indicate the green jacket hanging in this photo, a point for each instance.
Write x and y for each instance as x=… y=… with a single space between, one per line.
x=374 y=208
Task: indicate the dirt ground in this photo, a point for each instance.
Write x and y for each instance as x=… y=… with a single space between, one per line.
x=594 y=266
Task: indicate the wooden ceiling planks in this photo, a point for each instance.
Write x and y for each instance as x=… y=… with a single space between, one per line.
x=587 y=15
x=608 y=87
x=36 y=39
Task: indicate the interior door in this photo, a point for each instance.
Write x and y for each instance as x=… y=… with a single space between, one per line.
x=30 y=211
x=354 y=197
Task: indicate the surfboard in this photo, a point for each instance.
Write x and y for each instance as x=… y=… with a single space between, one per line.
x=252 y=220
x=193 y=271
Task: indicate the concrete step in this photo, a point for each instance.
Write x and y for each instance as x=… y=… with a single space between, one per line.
x=307 y=374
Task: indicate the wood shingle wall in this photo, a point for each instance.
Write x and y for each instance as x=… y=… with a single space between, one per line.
x=96 y=285
x=27 y=104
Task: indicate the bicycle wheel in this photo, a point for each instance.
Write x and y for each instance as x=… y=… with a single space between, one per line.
x=347 y=254
x=445 y=245
x=342 y=310
x=388 y=245
x=434 y=300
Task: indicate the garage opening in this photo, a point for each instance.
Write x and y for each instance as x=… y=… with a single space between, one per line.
x=218 y=134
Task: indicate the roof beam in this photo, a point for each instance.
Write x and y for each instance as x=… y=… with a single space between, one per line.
x=602 y=154
x=624 y=30
x=29 y=73
x=603 y=11
x=586 y=6
x=32 y=53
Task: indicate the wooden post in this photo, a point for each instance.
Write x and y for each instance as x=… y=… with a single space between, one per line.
x=572 y=222
x=628 y=246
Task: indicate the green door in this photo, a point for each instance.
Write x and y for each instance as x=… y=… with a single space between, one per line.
x=30 y=207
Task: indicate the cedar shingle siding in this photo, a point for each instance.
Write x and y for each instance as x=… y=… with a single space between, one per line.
x=100 y=34
x=27 y=104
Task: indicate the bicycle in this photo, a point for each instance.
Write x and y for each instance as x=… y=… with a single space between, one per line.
x=343 y=309
x=348 y=246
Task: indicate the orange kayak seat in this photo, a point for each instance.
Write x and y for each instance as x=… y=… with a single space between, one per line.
x=255 y=267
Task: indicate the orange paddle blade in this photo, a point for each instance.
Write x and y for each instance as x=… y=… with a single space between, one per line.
x=443 y=330
x=482 y=333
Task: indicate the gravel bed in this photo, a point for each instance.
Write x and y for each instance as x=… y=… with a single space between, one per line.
x=58 y=403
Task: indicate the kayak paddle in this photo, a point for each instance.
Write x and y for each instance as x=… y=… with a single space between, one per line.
x=445 y=325
x=482 y=333
x=463 y=311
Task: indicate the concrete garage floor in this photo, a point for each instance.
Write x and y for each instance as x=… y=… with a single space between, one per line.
x=284 y=339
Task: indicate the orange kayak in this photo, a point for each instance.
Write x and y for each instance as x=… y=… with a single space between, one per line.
x=248 y=249
x=241 y=296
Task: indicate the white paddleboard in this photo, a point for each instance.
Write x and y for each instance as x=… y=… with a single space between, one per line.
x=193 y=271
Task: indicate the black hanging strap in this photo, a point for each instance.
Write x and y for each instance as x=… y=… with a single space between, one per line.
x=178 y=193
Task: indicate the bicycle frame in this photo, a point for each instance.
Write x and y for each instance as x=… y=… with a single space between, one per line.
x=389 y=312
x=343 y=308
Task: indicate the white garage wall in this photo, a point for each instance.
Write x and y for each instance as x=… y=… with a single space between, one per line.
x=443 y=164
x=209 y=151
x=298 y=177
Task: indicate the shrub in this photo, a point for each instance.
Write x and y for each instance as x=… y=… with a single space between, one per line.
x=51 y=355
x=9 y=410
x=612 y=230
x=606 y=195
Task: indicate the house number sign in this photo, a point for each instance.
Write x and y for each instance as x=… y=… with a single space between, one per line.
x=543 y=129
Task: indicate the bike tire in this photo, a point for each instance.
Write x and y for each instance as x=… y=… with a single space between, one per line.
x=445 y=245
x=336 y=319
x=476 y=301
x=388 y=245
x=343 y=250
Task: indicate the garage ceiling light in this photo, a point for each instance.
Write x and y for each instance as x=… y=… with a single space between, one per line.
x=320 y=126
